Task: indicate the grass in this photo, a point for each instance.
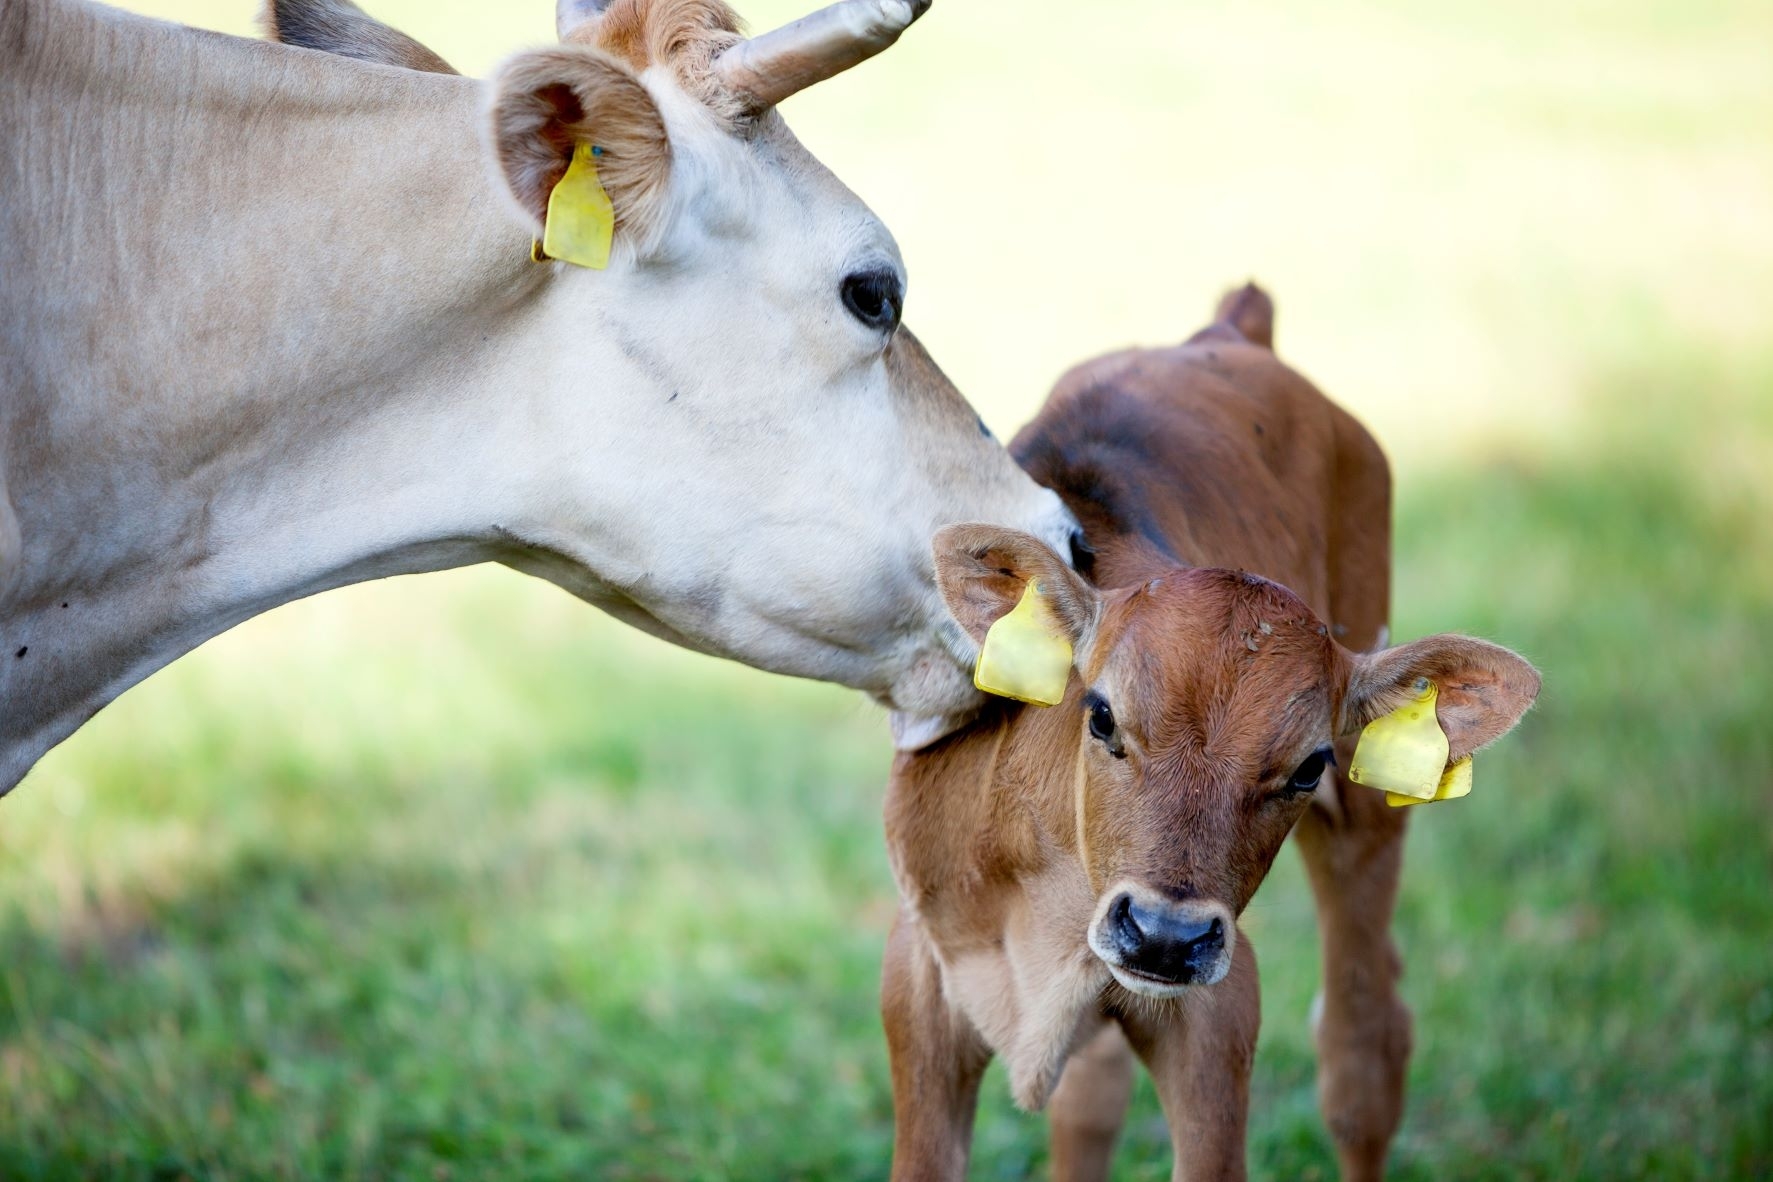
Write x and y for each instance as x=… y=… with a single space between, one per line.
x=449 y=878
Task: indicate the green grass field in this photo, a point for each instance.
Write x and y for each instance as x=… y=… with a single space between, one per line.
x=449 y=878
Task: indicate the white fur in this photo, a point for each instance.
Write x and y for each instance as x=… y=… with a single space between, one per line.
x=1033 y=998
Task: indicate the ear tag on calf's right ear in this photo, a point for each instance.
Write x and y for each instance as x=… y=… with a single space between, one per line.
x=581 y=221
x=1456 y=783
x=1405 y=752
x=1026 y=655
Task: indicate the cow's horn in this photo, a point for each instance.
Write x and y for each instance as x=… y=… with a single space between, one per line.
x=570 y=16
x=771 y=66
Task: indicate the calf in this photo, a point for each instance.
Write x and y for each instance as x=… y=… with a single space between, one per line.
x=1072 y=875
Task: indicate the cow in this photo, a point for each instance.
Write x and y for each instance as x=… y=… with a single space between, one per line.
x=1070 y=878
x=273 y=321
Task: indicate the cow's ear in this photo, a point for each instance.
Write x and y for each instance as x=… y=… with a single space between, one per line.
x=547 y=102
x=342 y=28
x=1482 y=688
x=984 y=570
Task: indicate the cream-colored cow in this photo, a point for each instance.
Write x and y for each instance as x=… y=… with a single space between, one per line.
x=269 y=325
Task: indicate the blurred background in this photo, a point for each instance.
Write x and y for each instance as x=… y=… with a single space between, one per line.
x=451 y=878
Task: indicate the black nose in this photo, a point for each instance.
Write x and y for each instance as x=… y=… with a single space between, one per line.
x=1162 y=943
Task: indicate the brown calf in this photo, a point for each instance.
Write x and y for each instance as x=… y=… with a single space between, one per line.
x=1072 y=875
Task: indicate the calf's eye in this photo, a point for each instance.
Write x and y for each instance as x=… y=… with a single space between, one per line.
x=1102 y=726
x=1101 y=721
x=1306 y=778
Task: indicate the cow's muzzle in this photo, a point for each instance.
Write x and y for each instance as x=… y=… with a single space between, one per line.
x=1158 y=946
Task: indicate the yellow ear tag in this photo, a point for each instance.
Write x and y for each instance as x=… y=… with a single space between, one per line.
x=1026 y=655
x=1404 y=753
x=1456 y=783
x=581 y=220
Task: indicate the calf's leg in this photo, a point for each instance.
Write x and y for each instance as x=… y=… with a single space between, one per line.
x=1198 y=1049
x=1353 y=850
x=1089 y=1107
x=937 y=1062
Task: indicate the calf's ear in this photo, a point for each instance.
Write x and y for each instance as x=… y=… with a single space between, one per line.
x=1482 y=688
x=547 y=102
x=983 y=571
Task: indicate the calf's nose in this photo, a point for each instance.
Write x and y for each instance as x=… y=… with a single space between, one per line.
x=1173 y=945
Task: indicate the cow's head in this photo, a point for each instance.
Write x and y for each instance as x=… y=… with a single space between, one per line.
x=1202 y=720
x=726 y=437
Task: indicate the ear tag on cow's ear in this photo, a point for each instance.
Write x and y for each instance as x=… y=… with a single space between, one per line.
x=1453 y=785
x=1404 y=753
x=1026 y=655
x=581 y=221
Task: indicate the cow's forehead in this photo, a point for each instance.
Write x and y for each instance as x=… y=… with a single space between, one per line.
x=1218 y=659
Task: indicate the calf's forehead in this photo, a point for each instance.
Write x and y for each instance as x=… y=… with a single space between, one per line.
x=1220 y=661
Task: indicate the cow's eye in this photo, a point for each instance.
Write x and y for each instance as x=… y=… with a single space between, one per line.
x=1101 y=721
x=876 y=298
x=1102 y=726
x=1306 y=778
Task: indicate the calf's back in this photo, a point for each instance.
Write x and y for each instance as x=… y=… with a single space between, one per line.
x=1215 y=453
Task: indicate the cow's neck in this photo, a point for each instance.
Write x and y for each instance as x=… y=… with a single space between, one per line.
x=252 y=313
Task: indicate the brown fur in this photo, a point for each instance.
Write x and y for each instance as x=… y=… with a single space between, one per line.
x=1187 y=466
x=339 y=26
x=685 y=36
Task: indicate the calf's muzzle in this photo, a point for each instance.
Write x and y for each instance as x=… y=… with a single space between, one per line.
x=1156 y=945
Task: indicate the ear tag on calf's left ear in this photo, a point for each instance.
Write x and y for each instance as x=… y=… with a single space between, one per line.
x=1405 y=752
x=581 y=221
x=1456 y=783
x=1026 y=655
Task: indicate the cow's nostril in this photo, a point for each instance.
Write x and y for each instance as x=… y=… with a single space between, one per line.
x=1174 y=944
x=1123 y=929
x=1208 y=946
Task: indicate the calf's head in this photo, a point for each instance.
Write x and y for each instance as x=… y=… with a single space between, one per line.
x=1203 y=715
